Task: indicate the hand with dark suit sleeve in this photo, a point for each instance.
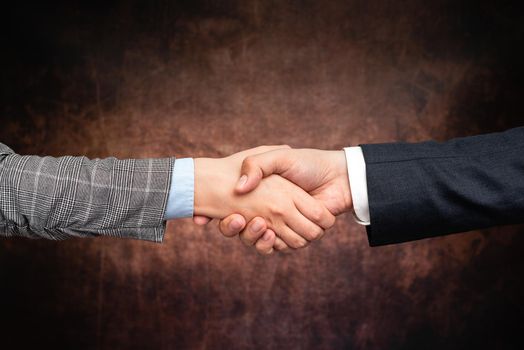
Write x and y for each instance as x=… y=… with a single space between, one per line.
x=418 y=190
x=429 y=189
x=323 y=174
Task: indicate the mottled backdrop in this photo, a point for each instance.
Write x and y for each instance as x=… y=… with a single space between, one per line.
x=208 y=78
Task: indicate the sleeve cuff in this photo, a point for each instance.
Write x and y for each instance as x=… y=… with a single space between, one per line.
x=358 y=184
x=180 y=202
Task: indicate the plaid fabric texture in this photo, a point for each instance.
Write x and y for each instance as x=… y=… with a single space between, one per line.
x=60 y=198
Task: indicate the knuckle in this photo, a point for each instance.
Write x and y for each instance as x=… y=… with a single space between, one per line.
x=331 y=222
x=248 y=242
x=257 y=227
x=224 y=229
x=264 y=250
x=248 y=162
x=276 y=209
x=299 y=243
x=317 y=234
x=265 y=148
x=282 y=248
x=317 y=214
x=322 y=234
x=229 y=234
x=309 y=235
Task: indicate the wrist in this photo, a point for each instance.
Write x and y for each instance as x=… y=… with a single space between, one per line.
x=211 y=188
x=204 y=192
x=340 y=168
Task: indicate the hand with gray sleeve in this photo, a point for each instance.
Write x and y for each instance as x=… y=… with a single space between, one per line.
x=58 y=198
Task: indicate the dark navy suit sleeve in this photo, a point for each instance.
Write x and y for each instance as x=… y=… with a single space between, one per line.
x=419 y=190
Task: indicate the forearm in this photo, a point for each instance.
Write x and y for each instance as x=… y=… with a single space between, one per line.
x=429 y=189
x=58 y=198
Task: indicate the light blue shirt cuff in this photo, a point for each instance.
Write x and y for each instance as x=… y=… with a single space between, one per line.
x=181 y=195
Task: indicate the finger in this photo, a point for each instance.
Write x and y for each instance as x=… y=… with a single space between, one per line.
x=280 y=245
x=201 y=220
x=304 y=227
x=254 y=231
x=265 y=244
x=314 y=210
x=255 y=167
x=291 y=238
x=232 y=225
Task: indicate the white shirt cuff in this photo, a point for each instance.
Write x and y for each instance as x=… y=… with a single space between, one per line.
x=358 y=184
x=180 y=202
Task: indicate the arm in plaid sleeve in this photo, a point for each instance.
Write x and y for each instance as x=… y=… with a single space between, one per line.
x=59 y=198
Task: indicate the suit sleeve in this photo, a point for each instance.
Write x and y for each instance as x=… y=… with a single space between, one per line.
x=59 y=198
x=419 y=190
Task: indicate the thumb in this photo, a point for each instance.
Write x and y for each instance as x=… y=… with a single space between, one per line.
x=258 y=166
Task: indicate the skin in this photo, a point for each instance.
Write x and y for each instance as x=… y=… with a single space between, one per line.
x=281 y=209
x=323 y=174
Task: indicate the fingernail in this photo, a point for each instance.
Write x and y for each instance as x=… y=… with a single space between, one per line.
x=242 y=181
x=257 y=226
x=235 y=225
x=266 y=236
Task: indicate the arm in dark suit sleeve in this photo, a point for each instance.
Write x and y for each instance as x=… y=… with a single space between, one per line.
x=419 y=190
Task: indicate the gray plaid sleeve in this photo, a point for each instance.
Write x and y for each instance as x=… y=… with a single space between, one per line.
x=59 y=198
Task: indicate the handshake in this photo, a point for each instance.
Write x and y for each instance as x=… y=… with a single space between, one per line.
x=274 y=197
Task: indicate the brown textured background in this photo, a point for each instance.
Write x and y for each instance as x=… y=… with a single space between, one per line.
x=208 y=78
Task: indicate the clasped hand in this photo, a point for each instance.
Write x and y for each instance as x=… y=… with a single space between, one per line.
x=273 y=197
